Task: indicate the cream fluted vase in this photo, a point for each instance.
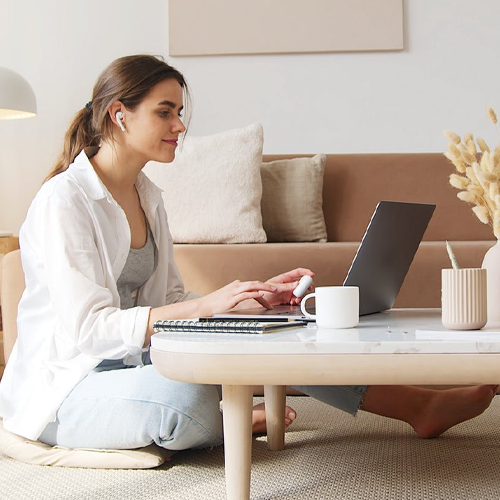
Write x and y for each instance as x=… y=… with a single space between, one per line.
x=491 y=263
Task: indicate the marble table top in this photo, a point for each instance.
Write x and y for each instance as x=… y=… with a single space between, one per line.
x=397 y=331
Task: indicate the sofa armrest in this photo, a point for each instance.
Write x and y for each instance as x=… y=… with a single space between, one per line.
x=11 y=291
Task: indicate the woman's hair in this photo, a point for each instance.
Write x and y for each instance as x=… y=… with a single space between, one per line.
x=128 y=80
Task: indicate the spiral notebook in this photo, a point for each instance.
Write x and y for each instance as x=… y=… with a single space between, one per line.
x=210 y=325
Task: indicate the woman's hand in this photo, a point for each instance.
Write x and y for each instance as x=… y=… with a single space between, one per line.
x=277 y=290
x=231 y=295
x=285 y=284
x=220 y=301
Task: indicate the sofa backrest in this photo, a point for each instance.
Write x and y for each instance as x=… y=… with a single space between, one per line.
x=355 y=183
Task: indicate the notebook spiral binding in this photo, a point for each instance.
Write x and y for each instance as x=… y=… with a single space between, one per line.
x=207 y=326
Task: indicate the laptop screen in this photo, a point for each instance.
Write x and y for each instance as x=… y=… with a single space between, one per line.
x=386 y=253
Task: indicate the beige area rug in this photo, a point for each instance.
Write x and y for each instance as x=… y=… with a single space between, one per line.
x=329 y=455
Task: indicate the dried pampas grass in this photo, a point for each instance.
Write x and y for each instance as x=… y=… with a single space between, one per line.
x=491 y=115
x=482 y=145
x=478 y=177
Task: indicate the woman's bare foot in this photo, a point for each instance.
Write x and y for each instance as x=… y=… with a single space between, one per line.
x=429 y=412
x=259 y=418
x=444 y=409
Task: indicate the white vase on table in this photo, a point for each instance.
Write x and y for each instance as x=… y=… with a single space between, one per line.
x=491 y=263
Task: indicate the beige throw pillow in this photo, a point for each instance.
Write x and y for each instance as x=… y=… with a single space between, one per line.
x=212 y=190
x=292 y=199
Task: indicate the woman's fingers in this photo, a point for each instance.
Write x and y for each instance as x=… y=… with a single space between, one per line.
x=254 y=286
x=289 y=287
x=299 y=272
x=255 y=290
x=244 y=290
x=263 y=302
x=293 y=275
x=252 y=295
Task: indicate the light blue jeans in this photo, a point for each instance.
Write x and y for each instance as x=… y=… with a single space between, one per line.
x=116 y=407
x=126 y=408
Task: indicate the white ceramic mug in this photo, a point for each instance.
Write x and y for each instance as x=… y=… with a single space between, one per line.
x=336 y=306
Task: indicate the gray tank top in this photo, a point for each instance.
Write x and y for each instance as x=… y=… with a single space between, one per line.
x=140 y=265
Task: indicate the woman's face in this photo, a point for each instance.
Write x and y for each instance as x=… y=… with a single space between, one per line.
x=153 y=128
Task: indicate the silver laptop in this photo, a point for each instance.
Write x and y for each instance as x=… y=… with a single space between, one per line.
x=380 y=265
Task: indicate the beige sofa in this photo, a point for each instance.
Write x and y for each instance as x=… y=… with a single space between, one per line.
x=353 y=184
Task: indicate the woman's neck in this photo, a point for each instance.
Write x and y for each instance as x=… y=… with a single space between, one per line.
x=116 y=171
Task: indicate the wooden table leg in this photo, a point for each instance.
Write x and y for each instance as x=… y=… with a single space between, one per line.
x=275 y=397
x=237 y=408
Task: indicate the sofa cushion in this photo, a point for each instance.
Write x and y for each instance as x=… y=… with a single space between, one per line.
x=292 y=199
x=37 y=453
x=213 y=190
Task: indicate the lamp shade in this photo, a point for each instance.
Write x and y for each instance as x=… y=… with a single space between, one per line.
x=17 y=99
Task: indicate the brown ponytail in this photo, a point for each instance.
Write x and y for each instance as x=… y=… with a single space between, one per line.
x=79 y=135
x=127 y=79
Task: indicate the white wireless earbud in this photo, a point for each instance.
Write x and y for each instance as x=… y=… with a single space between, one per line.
x=119 y=119
x=304 y=283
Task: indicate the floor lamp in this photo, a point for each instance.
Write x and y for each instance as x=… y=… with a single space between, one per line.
x=17 y=99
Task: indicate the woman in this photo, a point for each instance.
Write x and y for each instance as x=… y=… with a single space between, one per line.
x=99 y=270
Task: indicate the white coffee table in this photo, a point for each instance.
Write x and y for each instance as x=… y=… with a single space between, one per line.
x=383 y=349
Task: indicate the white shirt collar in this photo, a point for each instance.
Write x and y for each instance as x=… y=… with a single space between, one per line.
x=83 y=171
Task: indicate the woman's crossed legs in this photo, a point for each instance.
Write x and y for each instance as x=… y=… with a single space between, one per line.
x=134 y=407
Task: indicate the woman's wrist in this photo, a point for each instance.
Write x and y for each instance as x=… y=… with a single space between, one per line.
x=180 y=310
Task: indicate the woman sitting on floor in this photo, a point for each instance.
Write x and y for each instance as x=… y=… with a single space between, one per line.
x=98 y=261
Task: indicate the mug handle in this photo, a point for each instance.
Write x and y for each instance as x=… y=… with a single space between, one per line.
x=303 y=305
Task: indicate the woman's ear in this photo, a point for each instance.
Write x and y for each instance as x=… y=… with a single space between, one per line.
x=116 y=114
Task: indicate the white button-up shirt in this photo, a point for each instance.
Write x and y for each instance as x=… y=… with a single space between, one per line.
x=74 y=244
